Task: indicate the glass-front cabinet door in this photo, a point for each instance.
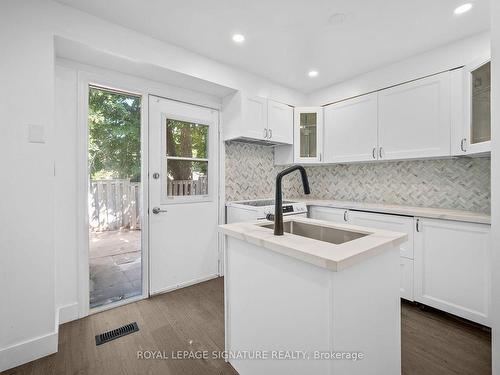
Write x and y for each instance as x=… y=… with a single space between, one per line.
x=308 y=134
x=477 y=125
x=480 y=113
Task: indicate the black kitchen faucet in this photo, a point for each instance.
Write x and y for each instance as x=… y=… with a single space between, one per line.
x=278 y=204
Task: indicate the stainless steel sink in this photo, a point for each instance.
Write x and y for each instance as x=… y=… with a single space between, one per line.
x=318 y=232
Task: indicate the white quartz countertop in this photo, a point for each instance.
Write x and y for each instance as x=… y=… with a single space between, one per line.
x=334 y=257
x=433 y=213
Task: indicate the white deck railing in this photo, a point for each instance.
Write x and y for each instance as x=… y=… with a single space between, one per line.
x=114 y=204
x=187 y=187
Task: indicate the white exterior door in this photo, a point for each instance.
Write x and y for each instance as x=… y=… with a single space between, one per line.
x=183 y=198
x=351 y=130
x=414 y=119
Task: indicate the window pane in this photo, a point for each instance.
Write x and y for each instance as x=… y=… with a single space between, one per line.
x=187 y=139
x=187 y=177
x=308 y=135
x=481 y=112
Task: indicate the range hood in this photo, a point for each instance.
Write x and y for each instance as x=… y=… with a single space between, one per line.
x=255 y=141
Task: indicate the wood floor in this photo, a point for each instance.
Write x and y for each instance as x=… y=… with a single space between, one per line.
x=193 y=319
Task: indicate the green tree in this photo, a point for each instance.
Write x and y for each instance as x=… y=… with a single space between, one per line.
x=189 y=140
x=114 y=135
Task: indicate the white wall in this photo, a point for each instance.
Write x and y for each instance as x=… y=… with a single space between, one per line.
x=66 y=198
x=495 y=182
x=27 y=266
x=28 y=227
x=431 y=62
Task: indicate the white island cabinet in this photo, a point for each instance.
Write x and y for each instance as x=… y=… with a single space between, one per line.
x=292 y=302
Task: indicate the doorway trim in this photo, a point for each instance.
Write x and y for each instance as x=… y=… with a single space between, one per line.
x=86 y=79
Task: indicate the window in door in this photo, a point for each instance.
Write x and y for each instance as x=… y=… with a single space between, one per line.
x=186 y=159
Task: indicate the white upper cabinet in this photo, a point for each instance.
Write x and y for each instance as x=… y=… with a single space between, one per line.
x=471 y=108
x=350 y=130
x=279 y=122
x=414 y=119
x=308 y=135
x=256 y=119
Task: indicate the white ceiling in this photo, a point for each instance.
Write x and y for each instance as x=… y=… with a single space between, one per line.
x=287 y=38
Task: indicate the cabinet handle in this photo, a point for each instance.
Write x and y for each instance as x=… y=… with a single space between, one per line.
x=380 y=152
x=320 y=156
x=462 y=144
x=417 y=225
x=345 y=215
x=270 y=133
x=265 y=132
x=374 y=152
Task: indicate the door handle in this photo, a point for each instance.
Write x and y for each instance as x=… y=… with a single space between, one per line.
x=157 y=210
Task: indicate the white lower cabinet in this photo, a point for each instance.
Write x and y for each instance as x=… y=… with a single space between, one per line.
x=393 y=223
x=444 y=264
x=380 y=221
x=406 y=278
x=452 y=268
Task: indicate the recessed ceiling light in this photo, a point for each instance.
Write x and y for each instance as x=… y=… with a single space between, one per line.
x=312 y=73
x=463 y=8
x=238 y=38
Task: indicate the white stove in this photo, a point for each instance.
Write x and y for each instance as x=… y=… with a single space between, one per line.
x=238 y=211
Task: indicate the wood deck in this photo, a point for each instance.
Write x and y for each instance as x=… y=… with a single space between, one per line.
x=115 y=266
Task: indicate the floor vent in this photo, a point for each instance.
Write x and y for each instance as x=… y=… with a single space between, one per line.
x=116 y=333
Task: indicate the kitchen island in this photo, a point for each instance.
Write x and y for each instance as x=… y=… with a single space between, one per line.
x=321 y=299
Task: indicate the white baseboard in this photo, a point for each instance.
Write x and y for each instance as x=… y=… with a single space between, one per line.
x=67 y=313
x=28 y=351
x=184 y=284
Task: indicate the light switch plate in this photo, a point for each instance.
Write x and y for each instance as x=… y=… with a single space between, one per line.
x=36 y=133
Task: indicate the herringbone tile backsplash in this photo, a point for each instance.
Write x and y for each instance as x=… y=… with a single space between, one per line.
x=460 y=183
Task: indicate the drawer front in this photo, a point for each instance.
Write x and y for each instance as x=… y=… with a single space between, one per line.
x=336 y=215
x=393 y=223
